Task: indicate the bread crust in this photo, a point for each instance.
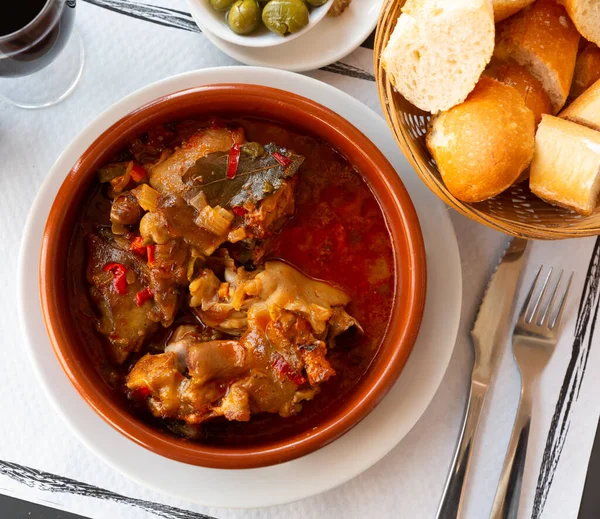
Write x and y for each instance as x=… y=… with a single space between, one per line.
x=587 y=69
x=586 y=17
x=505 y=8
x=542 y=39
x=585 y=110
x=565 y=170
x=531 y=90
x=482 y=145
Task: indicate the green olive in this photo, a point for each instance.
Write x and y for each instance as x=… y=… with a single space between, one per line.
x=244 y=16
x=283 y=16
x=316 y=3
x=221 y=5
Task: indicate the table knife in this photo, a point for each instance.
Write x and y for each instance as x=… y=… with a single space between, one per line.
x=487 y=335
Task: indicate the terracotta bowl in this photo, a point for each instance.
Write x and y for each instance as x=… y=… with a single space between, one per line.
x=285 y=108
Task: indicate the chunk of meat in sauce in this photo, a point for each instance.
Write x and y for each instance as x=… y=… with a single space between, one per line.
x=174 y=218
x=278 y=362
x=263 y=371
x=278 y=285
x=165 y=176
x=125 y=209
x=262 y=223
x=152 y=292
x=293 y=338
x=167 y=273
x=271 y=213
x=121 y=321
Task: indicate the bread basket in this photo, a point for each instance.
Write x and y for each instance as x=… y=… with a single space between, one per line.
x=517 y=211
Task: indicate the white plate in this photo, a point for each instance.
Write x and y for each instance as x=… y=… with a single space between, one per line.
x=215 y=23
x=330 y=466
x=328 y=42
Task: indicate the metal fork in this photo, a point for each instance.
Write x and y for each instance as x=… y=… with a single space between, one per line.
x=534 y=340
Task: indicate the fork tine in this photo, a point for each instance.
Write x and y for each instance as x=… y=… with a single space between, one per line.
x=552 y=298
x=534 y=311
x=523 y=312
x=556 y=321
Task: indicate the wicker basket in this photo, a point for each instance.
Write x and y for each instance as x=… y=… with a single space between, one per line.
x=516 y=211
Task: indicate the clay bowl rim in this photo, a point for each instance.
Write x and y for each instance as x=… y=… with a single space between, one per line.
x=315 y=119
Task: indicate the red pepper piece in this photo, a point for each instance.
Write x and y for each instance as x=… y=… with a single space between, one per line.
x=282 y=159
x=143 y=295
x=283 y=369
x=234 y=160
x=137 y=172
x=137 y=246
x=119 y=282
x=238 y=210
x=151 y=251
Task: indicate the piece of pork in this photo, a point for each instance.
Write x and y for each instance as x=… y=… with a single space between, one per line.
x=263 y=371
x=165 y=176
x=277 y=285
x=121 y=320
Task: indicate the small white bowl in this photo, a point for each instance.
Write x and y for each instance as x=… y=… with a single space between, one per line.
x=213 y=21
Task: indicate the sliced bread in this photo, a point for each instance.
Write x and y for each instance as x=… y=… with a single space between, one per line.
x=586 y=108
x=565 y=170
x=586 y=17
x=543 y=39
x=438 y=50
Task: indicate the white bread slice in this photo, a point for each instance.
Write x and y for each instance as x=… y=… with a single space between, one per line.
x=587 y=69
x=565 y=170
x=586 y=108
x=482 y=146
x=586 y=17
x=543 y=39
x=505 y=8
x=438 y=50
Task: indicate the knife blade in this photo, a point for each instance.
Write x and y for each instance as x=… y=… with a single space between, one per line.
x=491 y=321
x=495 y=310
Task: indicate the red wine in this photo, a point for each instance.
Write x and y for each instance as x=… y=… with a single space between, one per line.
x=48 y=25
x=19 y=15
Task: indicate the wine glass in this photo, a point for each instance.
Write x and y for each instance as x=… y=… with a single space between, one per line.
x=41 y=56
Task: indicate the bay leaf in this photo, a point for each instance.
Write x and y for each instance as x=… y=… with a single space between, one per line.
x=258 y=176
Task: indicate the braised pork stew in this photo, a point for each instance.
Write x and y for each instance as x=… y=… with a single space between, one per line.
x=232 y=279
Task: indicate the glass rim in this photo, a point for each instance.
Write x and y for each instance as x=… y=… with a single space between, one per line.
x=25 y=28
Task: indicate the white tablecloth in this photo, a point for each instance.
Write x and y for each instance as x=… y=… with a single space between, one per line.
x=40 y=460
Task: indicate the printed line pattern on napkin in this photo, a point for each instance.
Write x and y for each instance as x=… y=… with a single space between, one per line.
x=182 y=20
x=150 y=13
x=587 y=315
x=54 y=483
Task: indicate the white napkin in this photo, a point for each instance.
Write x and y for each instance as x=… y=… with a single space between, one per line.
x=40 y=460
